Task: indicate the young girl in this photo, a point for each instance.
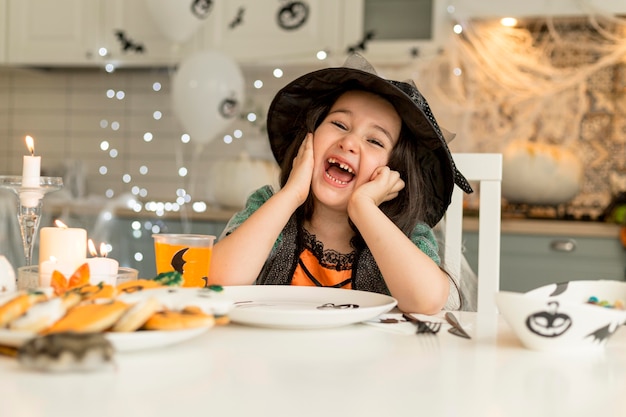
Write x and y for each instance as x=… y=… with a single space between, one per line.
x=365 y=174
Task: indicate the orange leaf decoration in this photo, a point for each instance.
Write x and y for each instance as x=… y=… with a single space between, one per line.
x=58 y=282
x=80 y=276
x=62 y=284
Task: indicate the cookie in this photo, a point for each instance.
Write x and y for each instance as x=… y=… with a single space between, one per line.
x=40 y=316
x=93 y=317
x=137 y=315
x=70 y=299
x=18 y=305
x=188 y=318
x=209 y=301
x=96 y=292
x=136 y=285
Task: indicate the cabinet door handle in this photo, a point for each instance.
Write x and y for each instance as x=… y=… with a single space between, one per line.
x=563 y=245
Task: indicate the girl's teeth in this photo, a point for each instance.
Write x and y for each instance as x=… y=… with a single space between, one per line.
x=341 y=165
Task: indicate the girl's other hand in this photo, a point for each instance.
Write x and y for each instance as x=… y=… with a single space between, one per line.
x=384 y=185
x=299 y=181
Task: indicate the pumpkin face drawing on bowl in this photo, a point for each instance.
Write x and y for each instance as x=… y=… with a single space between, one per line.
x=546 y=323
x=549 y=323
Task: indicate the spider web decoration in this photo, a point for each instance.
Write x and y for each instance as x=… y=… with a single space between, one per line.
x=557 y=80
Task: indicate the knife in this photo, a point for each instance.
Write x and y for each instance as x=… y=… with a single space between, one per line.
x=456 y=328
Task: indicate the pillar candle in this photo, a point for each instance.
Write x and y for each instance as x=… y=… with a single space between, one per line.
x=65 y=244
x=31 y=171
x=102 y=270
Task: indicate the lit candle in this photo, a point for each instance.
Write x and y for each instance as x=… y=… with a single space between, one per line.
x=31 y=168
x=101 y=268
x=68 y=246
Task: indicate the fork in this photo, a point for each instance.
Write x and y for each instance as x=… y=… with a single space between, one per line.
x=423 y=327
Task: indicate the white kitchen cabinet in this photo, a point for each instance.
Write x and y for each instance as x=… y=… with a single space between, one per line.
x=531 y=260
x=59 y=32
x=403 y=29
x=72 y=32
x=275 y=31
x=133 y=19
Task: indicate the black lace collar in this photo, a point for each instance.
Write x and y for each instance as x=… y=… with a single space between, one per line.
x=329 y=258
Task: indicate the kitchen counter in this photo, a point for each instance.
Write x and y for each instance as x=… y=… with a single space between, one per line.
x=551 y=227
x=215 y=214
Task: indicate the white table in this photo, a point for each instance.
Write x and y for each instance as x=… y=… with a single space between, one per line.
x=357 y=370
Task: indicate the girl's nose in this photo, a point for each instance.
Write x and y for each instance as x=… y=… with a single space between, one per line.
x=349 y=143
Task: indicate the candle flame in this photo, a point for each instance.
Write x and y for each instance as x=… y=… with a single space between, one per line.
x=60 y=224
x=103 y=250
x=53 y=258
x=30 y=144
x=92 y=248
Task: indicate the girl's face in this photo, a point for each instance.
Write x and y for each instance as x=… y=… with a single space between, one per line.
x=354 y=139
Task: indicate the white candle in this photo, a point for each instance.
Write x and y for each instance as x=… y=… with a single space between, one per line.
x=101 y=269
x=31 y=171
x=67 y=245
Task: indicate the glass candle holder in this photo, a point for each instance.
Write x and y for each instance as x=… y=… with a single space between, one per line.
x=28 y=276
x=29 y=204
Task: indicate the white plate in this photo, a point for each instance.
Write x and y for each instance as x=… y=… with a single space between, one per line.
x=295 y=307
x=122 y=342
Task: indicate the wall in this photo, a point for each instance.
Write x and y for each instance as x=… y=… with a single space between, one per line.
x=69 y=114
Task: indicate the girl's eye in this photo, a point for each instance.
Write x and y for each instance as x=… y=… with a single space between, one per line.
x=376 y=142
x=339 y=125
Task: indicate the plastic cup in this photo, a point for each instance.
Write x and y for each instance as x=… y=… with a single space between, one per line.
x=188 y=254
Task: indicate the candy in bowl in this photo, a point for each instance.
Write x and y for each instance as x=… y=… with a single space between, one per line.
x=564 y=317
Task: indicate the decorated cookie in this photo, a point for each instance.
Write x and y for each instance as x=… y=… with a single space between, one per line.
x=209 y=300
x=94 y=317
x=137 y=285
x=188 y=318
x=96 y=292
x=40 y=316
x=137 y=315
x=18 y=305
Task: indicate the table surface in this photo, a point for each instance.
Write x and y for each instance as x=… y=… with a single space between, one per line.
x=359 y=369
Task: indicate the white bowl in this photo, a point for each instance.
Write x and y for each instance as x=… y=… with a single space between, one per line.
x=557 y=317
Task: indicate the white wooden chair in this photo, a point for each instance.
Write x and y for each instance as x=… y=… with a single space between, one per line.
x=486 y=169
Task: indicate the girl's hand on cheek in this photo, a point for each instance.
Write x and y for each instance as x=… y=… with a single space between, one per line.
x=299 y=181
x=384 y=185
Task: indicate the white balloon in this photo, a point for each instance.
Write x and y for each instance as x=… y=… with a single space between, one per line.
x=207 y=94
x=177 y=20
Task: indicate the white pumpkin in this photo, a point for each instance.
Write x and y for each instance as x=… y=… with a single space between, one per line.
x=7 y=276
x=539 y=173
x=232 y=180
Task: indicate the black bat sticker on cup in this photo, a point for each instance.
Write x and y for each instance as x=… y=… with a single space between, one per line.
x=177 y=260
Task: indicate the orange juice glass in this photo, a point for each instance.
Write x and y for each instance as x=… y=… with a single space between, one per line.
x=188 y=254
